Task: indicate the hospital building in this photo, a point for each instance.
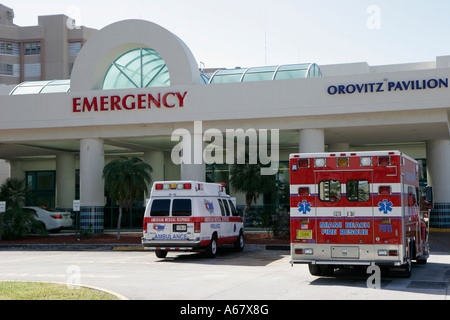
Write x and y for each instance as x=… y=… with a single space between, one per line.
x=74 y=98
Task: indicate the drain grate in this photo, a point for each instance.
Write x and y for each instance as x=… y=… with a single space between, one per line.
x=428 y=285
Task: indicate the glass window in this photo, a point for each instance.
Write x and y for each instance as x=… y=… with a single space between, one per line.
x=222 y=209
x=32 y=48
x=234 y=212
x=227 y=209
x=330 y=190
x=10 y=48
x=137 y=68
x=181 y=208
x=358 y=190
x=74 y=48
x=160 y=208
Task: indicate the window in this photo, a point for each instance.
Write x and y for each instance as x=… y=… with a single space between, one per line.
x=32 y=48
x=32 y=70
x=6 y=69
x=222 y=209
x=137 y=68
x=234 y=212
x=330 y=190
x=74 y=48
x=181 y=208
x=227 y=209
x=10 y=48
x=160 y=208
x=358 y=190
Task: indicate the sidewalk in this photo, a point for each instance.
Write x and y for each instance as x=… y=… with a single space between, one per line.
x=108 y=241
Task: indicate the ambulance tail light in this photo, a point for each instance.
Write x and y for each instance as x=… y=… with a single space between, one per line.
x=393 y=253
x=309 y=251
x=197 y=227
x=303 y=191
x=303 y=163
x=385 y=253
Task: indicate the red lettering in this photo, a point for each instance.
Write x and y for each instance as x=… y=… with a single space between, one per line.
x=140 y=101
x=128 y=102
x=165 y=103
x=89 y=106
x=156 y=102
x=76 y=104
x=115 y=103
x=181 y=98
x=124 y=102
x=104 y=103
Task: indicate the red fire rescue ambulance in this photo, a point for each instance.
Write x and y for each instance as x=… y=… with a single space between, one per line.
x=356 y=208
x=191 y=216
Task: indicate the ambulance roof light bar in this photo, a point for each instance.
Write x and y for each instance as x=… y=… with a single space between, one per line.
x=173 y=186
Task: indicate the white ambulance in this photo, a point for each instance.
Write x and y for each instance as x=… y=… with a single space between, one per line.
x=191 y=216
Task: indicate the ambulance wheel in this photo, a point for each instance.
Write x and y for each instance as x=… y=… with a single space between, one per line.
x=314 y=269
x=239 y=243
x=211 y=249
x=408 y=269
x=161 y=253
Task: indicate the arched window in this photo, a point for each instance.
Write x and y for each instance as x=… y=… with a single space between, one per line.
x=137 y=68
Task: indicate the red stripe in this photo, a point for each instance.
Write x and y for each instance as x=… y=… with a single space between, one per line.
x=190 y=219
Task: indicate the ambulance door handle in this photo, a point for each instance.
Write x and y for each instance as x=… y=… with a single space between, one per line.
x=337 y=213
x=350 y=213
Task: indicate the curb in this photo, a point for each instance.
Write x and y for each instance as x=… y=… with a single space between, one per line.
x=69 y=247
x=98 y=247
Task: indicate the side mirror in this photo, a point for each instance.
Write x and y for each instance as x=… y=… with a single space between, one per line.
x=429 y=197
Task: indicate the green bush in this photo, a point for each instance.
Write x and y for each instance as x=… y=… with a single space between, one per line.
x=18 y=223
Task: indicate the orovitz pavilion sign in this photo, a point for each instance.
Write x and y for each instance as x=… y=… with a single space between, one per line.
x=168 y=100
x=388 y=86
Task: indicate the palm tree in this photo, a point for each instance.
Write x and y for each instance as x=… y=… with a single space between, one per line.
x=247 y=178
x=15 y=192
x=126 y=179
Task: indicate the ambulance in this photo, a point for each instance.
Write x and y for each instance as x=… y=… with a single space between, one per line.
x=356 y=209
x=191 y=216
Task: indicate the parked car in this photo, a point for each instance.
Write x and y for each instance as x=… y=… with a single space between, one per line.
x=53 y=220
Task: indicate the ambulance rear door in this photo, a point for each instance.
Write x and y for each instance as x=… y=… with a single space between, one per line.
x=344 y=207
x=171 y=219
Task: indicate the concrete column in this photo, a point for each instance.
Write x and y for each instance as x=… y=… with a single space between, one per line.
x=438 y=164
x=65 y=181
x=311 y=140
x=92 y=196
x=338 y=147
x=193 y=167
x=155 y=158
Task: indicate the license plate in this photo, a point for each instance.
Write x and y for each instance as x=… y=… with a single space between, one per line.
x=304 y=234
x=179 y=227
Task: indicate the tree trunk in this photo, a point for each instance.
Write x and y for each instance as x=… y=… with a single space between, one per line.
x=119 y=220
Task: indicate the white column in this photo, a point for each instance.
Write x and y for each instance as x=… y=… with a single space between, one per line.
x=65 y=180
x=338 y=147
x=438 y=164
x=311 y=140
x=155 y=159
x=92 y=196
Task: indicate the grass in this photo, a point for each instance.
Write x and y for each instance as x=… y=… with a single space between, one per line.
x=17 y=290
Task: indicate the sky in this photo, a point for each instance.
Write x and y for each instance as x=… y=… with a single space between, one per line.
x=248 y=33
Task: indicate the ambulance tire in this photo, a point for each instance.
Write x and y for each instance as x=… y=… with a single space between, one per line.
x=239 y=243
x=314 y=269
x=161 y=253
x=408 y=269
x=211 y=249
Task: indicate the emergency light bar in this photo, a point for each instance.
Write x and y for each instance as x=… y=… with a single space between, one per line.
x=173 y=186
